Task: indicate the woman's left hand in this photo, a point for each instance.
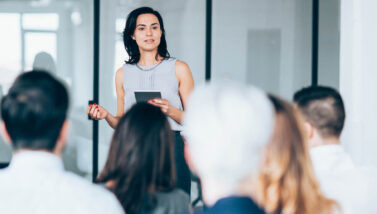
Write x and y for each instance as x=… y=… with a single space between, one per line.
x=162 y=103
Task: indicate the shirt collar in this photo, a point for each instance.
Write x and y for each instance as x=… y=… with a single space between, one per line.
x=36 y=159
x=331 y=148
x=329 y=157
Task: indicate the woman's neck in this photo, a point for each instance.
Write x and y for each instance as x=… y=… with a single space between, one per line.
x=149 y=58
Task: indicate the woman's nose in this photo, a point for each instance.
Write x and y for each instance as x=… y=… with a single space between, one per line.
x=149 y=31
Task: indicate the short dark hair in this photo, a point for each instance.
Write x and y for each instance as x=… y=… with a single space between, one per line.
x=34 y=110
x=323 y=107
x=131 y=46
x=141 y=158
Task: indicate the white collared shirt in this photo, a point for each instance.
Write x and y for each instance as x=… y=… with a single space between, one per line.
x=352 y=186
x=36 y=182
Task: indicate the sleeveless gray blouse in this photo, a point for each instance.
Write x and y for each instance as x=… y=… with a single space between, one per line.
x=160 y=77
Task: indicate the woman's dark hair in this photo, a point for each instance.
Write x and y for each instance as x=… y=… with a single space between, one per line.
x=141 y=159
x=131 y=45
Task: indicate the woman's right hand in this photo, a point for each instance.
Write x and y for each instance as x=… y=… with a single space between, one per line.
x=96 y=112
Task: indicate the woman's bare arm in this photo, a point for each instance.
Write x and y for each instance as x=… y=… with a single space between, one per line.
x=186 y=85
x=98 y=112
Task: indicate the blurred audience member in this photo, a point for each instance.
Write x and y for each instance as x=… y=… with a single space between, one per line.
x=44 y=61
x=226 y=127
x=34 y=114
x=352 y=186
x=287 y=183
x=140 y=167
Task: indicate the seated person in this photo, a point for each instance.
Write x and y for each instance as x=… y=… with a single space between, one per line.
x=34 y=121
x=354 y=187
x=226 y=128
x=286 y=182
x=140 y=167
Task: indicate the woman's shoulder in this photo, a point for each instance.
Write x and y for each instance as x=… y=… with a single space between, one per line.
x=175 y=193
x=120 y=69
x=180 y=63
x=169 y=202
x=119 y=74
x=176 y=198
x=177 y=61
x=181 y=68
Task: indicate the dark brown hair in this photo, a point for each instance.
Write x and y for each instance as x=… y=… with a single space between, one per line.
x=34 y=110
x=131 y=46
x=323 y=107
x=140 y=160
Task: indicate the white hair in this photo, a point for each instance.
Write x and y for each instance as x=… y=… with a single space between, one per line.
x=226 y=127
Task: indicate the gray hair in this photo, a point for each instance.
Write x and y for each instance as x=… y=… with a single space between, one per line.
x=226 y=127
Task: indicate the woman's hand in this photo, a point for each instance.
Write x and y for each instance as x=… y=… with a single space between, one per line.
x=96 y=112
x=163 y=104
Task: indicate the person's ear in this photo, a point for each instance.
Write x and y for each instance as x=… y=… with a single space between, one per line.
x=309 y=130
x=133 y=37
x=4 y=133
x=62 y=139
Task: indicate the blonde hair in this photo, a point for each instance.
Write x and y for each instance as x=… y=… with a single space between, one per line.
x=286 y=181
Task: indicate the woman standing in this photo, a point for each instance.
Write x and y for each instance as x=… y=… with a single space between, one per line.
x=150 y=67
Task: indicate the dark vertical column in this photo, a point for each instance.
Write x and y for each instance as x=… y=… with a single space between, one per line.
x=96 y=60
x=315 y=24
x=208 y=38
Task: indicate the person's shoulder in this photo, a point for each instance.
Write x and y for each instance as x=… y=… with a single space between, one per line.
x=120 y=71
x=175 y=194
x=91 y=194
x=182 y=70
x=174 y=201
x=119 y=74
x=181 y=65
x=72 y=181
x=5 y=176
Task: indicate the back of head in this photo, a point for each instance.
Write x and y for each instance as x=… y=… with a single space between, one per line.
x=44 y=61
x=287 y=182
x=226 y=127
x=141 y=158
x=323 y=107
x=34 y=111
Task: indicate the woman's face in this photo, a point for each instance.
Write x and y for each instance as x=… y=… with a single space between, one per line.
x=147 y=33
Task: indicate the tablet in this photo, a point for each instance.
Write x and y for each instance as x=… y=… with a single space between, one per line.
x=144 y=96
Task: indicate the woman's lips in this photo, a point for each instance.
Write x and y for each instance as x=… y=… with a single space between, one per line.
x=149 y=41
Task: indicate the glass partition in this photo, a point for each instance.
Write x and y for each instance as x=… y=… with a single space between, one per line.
x=54 y=36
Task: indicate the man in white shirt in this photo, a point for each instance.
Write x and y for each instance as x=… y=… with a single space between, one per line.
x=34 y=121
x=352 y=186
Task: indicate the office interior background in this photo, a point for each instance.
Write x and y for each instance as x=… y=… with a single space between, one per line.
x=278 y=45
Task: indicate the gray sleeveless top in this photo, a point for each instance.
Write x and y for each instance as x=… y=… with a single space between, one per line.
x=160 y=77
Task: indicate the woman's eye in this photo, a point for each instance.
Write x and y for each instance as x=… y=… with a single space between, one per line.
x=141 y=28
x=155 y=28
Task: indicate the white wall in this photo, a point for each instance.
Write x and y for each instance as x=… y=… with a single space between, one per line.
x=288 y=24
x=358 y=76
